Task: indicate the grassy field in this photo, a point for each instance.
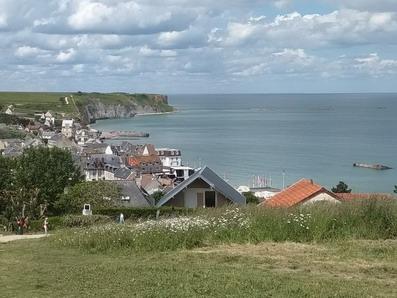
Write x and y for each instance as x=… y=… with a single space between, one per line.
x=320 y=223
x=35 y=268
x=31 y=102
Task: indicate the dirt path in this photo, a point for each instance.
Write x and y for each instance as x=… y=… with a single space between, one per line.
x=5 y=239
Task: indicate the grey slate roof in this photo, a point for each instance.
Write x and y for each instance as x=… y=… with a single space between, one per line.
x=130 y=189
x=210 y=177
x=122 y=173
x=102 y=161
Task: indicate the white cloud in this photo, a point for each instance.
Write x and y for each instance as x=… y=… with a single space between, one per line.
x=177 y=42
x=125 y=18
x=3 y=21
x=66 y=56
x=27 y=51
x=148 y=52
x=316 y=30
x=291 y=61
x=191 y=37
x=375 y=65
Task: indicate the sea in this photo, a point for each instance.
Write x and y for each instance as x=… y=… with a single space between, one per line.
x=276 y=139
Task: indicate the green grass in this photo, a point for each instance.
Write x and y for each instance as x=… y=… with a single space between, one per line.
x=30 y=102
x=35 y=268
x=320 y=223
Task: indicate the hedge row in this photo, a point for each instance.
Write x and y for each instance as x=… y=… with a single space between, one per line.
x=102 y=216
x=145 y=213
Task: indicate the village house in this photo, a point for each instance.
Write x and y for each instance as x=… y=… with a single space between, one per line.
x=303 y=192
x=152 y=183
x=15 y=147
x=132 y=196
x=180 y=173
x=145 y=164
x=100 y=166
x=203 y=189
x=84 y=136
x=59 y=141
x=48 y=119
x=142 y=158
x=169 y=157
x=9 y=110
x=96 y=148
x=68 y=128
x=47 y=135
x=124 y=173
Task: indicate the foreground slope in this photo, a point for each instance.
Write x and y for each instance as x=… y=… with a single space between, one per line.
x=343 y=269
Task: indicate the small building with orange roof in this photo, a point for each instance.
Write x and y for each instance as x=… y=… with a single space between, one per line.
x=304 y=191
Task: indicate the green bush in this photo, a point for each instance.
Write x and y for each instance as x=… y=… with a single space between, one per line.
x=144 y=213
x=54 y=223
x=72 y=221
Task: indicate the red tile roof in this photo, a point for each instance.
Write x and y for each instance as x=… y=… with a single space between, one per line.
x=298 y=192
x=364 y=196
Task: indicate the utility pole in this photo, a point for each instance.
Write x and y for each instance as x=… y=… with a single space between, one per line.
x=283 y=179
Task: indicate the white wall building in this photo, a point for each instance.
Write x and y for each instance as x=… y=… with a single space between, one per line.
x=68 y=128
x=170 y=157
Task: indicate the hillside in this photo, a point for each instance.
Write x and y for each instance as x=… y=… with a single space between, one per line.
x=86 y=106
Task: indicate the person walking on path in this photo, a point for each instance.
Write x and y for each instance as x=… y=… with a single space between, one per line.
x=121 y=218
x=45 y=226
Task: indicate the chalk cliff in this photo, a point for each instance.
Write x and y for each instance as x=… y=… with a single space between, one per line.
x=98 y=106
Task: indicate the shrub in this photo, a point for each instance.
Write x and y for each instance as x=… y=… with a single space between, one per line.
x=146 y=213
x=54 y=223
x=251 y=198
x=72 y=221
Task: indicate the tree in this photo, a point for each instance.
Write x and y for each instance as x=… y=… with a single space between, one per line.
x=47 y=170
x=100 y=194
x=395 y=189
x=250 y=197
x=157 y=196
x=6 y=173
x=341 y=187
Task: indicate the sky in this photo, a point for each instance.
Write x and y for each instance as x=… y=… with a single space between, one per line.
x=192 y=46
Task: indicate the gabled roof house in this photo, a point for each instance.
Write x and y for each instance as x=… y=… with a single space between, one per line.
x=305 y=191
x=202 y=189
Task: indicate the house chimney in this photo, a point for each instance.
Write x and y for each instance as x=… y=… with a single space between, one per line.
x=311 y=181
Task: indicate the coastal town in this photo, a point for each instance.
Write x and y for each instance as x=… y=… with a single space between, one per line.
x=181 y=148
x=144 y=172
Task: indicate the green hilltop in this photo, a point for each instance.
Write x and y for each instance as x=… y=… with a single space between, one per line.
x=66 y=104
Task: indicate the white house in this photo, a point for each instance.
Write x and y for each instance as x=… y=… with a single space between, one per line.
x=49 y=120
x=68 y=128
x=170 y=157
x=181 y=173
x=9 y=110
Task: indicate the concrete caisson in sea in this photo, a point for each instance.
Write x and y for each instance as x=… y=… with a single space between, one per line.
x=371 y=166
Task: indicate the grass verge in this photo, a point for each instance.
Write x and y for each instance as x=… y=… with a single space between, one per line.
x=359 y=268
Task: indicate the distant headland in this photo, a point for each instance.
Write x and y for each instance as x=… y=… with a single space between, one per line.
x=88 y=107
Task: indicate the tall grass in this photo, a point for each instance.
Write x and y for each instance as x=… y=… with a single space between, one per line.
x=370 y=219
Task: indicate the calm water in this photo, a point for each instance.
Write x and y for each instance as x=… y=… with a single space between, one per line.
x=313 y=136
